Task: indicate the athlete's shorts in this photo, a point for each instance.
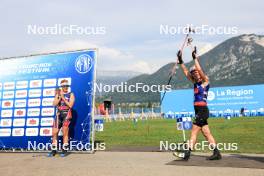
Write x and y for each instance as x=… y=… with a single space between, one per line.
x=201 y=115
x=63 y=119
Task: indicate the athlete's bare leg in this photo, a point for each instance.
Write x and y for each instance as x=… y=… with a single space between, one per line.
x=55 y=132
x=208 y=135
x=65 y=131
x=195 y=130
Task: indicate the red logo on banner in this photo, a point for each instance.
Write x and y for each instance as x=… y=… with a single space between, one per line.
x=46 y=131
x=7 y=103
x=33 y=122
x=20 y=112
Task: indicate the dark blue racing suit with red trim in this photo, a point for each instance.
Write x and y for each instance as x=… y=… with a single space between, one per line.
x=64 y=114
x=200 y=104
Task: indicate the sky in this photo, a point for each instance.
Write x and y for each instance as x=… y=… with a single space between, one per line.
x=129 y=36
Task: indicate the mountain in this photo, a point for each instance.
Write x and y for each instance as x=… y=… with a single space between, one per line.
x=236 y=61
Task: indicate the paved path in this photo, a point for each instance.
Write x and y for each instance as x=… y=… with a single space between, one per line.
x=110 y=164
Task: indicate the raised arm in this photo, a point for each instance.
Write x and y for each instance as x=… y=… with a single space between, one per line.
x=57 y=97
x=198 y=66
x=69 y=103
x=183 y=67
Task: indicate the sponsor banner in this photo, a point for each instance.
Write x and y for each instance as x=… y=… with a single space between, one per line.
x=9 y=85
x=18 y=132
x=5 y=122
x=32 y=132
x=60 y=79
x=33 y=79
x=47 y=121
x=19 y=122
x=21 y=93
x=7 y=103
x=8 y=94
x=34 y=93
x=21 y=84
x=7 y=113
x=20 y=103
x=35 y=84
x=34 y=112
x=50 y=83
x=49 y=92
x=45 y=131
x=32 y=122
x=5 y=132
x=47 y=101
x=47 y=111
x=34 y=102
x=221 y=101
x=20 y=112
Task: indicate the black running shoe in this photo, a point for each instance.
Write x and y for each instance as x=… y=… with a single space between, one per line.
x=187 y=154
x=216 y=156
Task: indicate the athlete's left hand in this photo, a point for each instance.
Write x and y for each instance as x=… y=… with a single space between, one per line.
x=62 y=96
x=194 y=53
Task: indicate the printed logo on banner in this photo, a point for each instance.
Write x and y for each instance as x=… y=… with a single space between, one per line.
x=1 y=86
x=34 y=93
x=83 y=63
x=9 y=85
x=7 y=113
x=45 y=131
x=50 y=82
x=18 y=132
x=68 y=79
x=33 y=112
x=7 y=103
x=5 y=132
x=46 y=122
x=21 y=93
x=19 y=122
x=5 y=122
x=21 y=84
x=47 y=111
x=8 y=94
x=32 y=122
x=20 y=103
x=49 y=92
x=47 y=101
x=20 y=113
x=32 y=132
x=211 y=95
x=35 y=83
x=33 y=102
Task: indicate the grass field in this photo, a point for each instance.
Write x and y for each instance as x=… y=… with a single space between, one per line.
x=246 y=132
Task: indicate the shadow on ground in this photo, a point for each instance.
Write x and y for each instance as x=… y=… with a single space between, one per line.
x=235 y=161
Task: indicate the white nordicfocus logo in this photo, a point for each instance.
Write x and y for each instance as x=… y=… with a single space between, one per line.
x=83 y=63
